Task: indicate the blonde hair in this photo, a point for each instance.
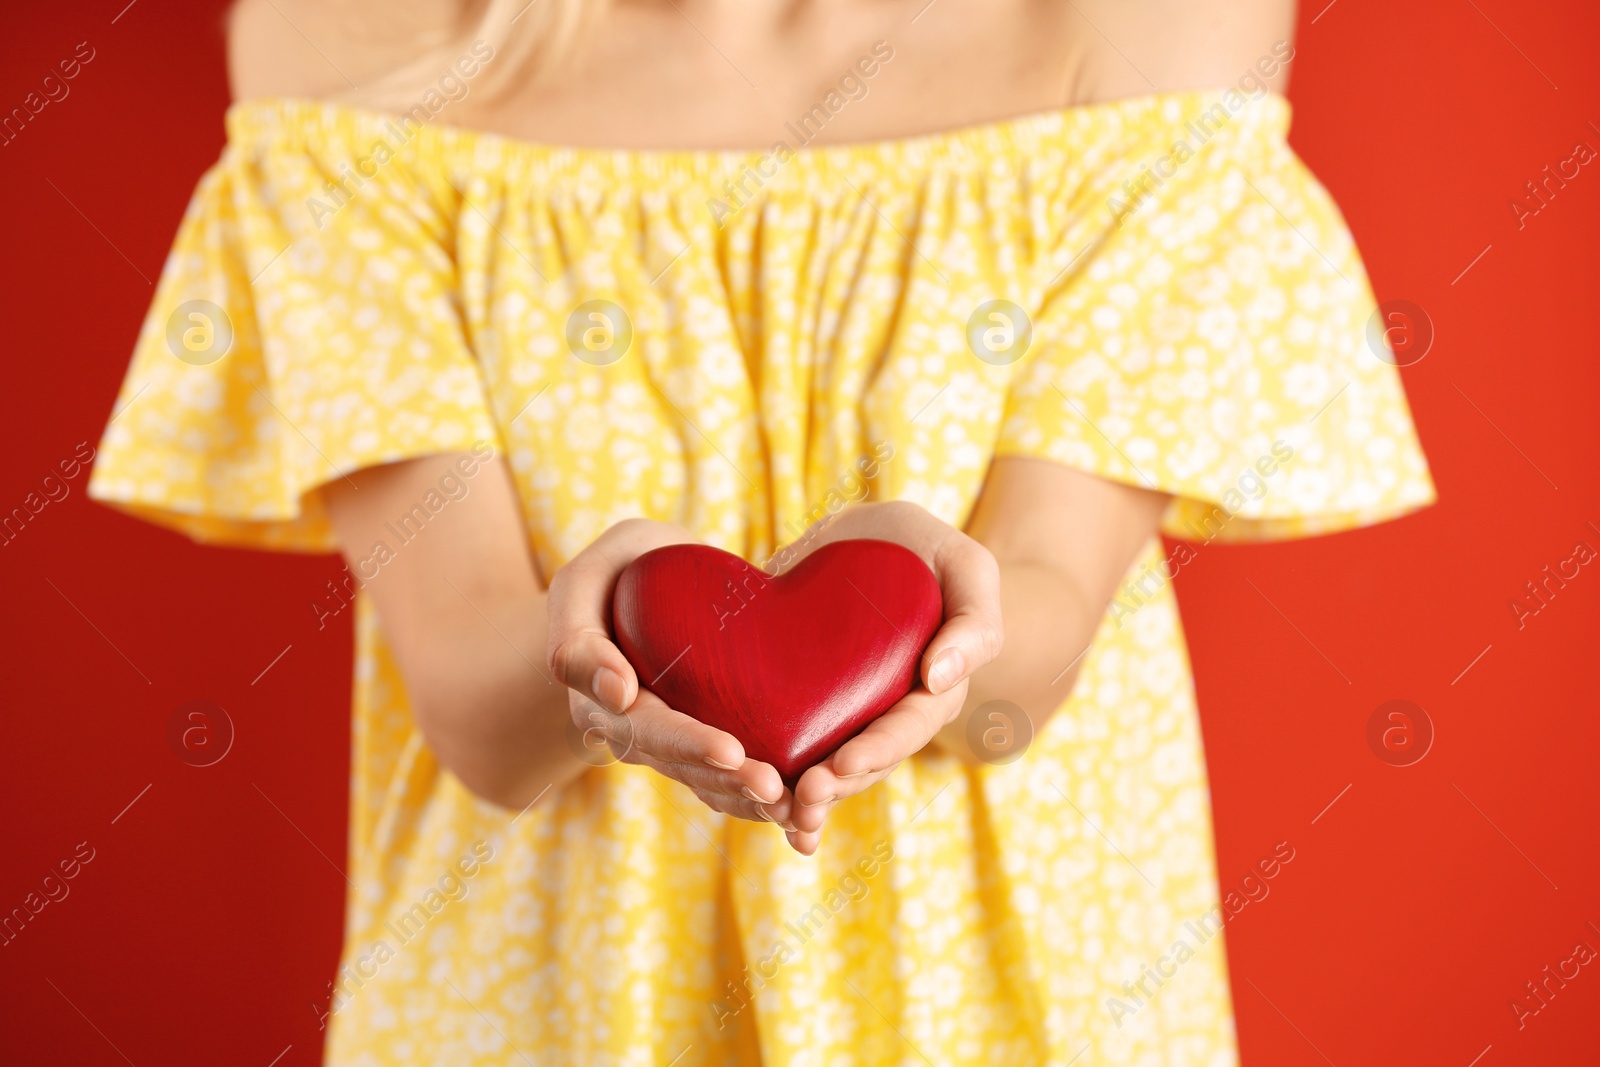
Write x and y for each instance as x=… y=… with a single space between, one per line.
x=530 y=39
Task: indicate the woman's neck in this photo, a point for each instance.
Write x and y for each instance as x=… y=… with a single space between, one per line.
x=658 y=74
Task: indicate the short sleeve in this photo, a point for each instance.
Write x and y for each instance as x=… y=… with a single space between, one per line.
x=306 y=325
x=1211 y=341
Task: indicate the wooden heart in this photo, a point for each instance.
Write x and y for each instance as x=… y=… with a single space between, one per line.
x=793 y=666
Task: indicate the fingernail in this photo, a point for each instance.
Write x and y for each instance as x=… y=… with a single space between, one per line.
x=607 y=679
x=751 y=793
x=721 y=766
x=763 y=813
x=789 y=826
x=829 y=799
x=854 y=774
x=946 y=669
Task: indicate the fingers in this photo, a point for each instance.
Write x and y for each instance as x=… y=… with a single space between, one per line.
x=683 y=748
x=581 y=653
x=803 y=842
x=725 y=791
x=652 y=729
x=867 y=758
x=897 y=734
x=740 y=808
x=810 y=819
x=973 y=633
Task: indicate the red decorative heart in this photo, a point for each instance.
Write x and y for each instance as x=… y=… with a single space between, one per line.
x=792 y=666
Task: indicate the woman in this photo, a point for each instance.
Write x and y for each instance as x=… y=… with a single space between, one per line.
x=802 y=274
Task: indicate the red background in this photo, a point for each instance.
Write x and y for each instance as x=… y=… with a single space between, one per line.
x=1417 y=905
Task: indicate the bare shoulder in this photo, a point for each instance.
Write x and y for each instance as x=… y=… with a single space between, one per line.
x=317 y=48
x=1154 y=45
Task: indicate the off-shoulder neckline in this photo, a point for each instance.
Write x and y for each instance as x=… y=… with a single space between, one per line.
x=292 y=116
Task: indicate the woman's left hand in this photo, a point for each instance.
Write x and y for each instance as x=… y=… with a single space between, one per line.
x=970 y=637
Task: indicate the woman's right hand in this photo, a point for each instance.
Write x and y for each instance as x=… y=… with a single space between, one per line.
x=606 y=696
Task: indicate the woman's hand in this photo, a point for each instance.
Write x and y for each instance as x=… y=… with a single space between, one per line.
x=971 y=636
x=606 y=696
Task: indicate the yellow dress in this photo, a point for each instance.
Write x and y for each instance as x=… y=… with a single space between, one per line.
x=719 y=339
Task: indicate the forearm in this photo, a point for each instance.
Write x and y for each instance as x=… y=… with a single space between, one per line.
x=484 y=701
x=1064 y=540
x=1049 y=622
x=463 y=610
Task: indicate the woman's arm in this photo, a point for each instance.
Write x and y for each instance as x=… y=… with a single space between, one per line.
x=462 y=606
x=1064 y=541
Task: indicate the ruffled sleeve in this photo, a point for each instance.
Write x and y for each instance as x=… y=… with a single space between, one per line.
x=1208 y=337
x=306 y=325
